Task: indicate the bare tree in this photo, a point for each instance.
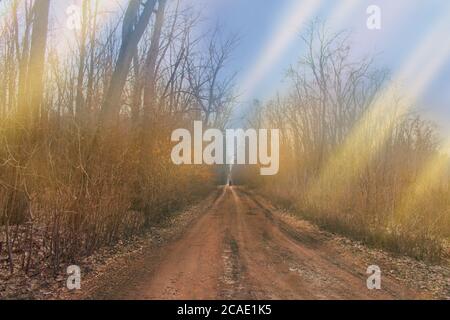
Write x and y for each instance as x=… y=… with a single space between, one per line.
x=151 y=63
x=211 y=87
x=79 y=102
x=37 y=55
x=131 y=36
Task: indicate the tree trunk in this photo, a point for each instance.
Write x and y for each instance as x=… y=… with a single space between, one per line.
x=23 y=59
x=150 y=64
x=79 y=100
x=130 y=41
x=37 y=56
x=91 y=72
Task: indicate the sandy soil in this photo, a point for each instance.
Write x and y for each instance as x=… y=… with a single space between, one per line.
x=239 y=248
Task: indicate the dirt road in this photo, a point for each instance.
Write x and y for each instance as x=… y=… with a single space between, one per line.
x=240 y=249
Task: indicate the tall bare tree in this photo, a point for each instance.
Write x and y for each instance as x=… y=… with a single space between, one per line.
x=212 y=88
x=79 y=100
x=131 y=35
x=151 y=62
x=37 y=55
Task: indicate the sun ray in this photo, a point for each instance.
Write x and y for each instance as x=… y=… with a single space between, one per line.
x=276 y=45
x=343 y=9
x=418 y=71
x=434 y=174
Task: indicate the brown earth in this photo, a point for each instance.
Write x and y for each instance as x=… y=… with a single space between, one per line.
x=240 y=248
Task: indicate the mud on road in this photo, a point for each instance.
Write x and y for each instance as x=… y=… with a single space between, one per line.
x=240 y=248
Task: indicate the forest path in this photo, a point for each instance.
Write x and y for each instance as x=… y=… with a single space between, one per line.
x=241 y=249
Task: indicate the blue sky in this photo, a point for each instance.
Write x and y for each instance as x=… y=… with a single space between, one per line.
x=404 y=25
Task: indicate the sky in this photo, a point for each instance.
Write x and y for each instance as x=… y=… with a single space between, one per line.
x=405 y=26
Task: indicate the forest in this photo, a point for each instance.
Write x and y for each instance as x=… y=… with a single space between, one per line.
x=356 y=156
x=86 y=135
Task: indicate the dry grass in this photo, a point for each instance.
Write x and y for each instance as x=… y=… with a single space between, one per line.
x=65 y=194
